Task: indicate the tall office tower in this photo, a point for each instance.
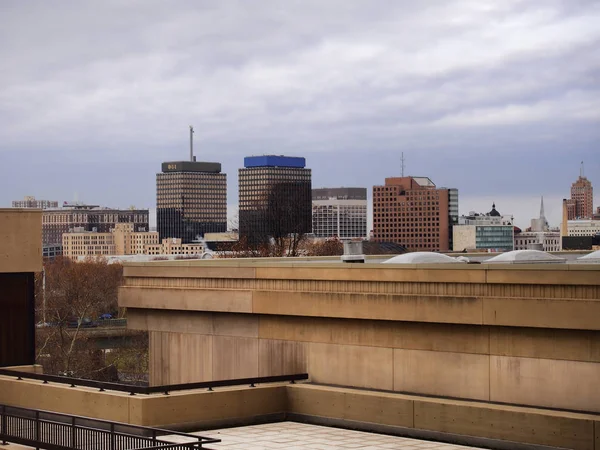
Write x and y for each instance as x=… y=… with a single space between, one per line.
x=191 y=199
x=275 y=197
x=413 y=212
x=55 y=222
x=31 y=202
x=582 y=198
x=339 y=212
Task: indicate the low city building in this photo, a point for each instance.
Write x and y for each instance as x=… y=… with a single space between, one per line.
x=583 y=227
x=548 y=241
x=51 y=251
x=56 y=222
x=174 y=246
x=491 y=232
x=30 y=202
x=121 y=240
x=339 y=212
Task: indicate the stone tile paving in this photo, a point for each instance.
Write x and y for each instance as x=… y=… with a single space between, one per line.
x=297 y=436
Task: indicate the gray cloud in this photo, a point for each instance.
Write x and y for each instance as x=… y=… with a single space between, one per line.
x=492 y=97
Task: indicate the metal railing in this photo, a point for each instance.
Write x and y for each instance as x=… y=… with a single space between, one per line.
x=111 y=323
x=55 y=431
x=133 y=389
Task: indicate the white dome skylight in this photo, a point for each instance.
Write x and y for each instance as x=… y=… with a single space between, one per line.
x=422 y=258
x=590 y=258
x=525 y=257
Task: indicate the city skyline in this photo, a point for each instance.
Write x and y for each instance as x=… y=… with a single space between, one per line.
x=498 y=100
x=524 y=206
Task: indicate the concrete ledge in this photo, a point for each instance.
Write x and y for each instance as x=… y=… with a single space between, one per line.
x=325 y=269
x=186 y=299
x=461 y=422
x=419 y=308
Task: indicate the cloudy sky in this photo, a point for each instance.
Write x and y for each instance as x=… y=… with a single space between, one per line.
x=500 y=99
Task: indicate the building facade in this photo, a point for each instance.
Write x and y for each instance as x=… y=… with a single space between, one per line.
x=582 y=199
x=583 y=227
x=174 y=246
x=547 y=241
x=491 y=231
x=339 y=212
x=413 y=212
x=274 y=197
x=55 y=222
x=121 y=240
x=79 y=242
x=51 y=251
x=31 y=203
x=191 y=200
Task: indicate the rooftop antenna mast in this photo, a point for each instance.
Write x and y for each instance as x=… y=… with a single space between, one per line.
x=402 y=166
x=581 y=173
x=191 y=143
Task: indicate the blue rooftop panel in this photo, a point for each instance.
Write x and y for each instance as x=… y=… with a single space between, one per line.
x=274 y=161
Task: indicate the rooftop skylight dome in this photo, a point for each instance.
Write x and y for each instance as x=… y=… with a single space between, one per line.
x=525 y=257
x=590 y=258
x=422 y=258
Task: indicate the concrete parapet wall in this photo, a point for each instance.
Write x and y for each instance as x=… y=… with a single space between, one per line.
x=463 y=422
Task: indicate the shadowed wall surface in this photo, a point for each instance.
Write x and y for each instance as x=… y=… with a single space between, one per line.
x=20 y=257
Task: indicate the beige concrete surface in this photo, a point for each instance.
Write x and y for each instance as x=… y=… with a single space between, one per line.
x=180 y=358
x=545 y=382
x=20 y=240
x=369 y=306
x=197 y=408
x=351 y=404
x=369 y=367
x=281 y=357
x=186 y=299
x=542 y=313
x=428 y=329
x=189 y=269
x=64 y=399
x=442 y=373
x=506 y=423
x=367 y=409
x=234 y=357
x=547 y=343
x=377 y=333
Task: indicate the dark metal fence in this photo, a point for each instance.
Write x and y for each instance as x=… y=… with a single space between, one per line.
x=133 y=389
x=54 y=431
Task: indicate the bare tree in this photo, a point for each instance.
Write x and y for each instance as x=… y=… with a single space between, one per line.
x=327 y=247
x=75 y=295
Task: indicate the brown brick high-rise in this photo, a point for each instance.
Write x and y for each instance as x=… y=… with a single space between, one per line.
x=413 y=212
x=582 y=196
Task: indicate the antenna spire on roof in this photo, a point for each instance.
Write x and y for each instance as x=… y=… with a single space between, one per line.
x=402 y=164
x=191 y=143
x=581 y=172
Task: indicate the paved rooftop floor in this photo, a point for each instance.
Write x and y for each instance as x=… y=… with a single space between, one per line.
x=296 y=436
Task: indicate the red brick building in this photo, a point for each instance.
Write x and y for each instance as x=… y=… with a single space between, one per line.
x=413 y=212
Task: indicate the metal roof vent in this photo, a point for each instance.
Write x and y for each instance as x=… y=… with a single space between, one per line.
x=353 y=252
